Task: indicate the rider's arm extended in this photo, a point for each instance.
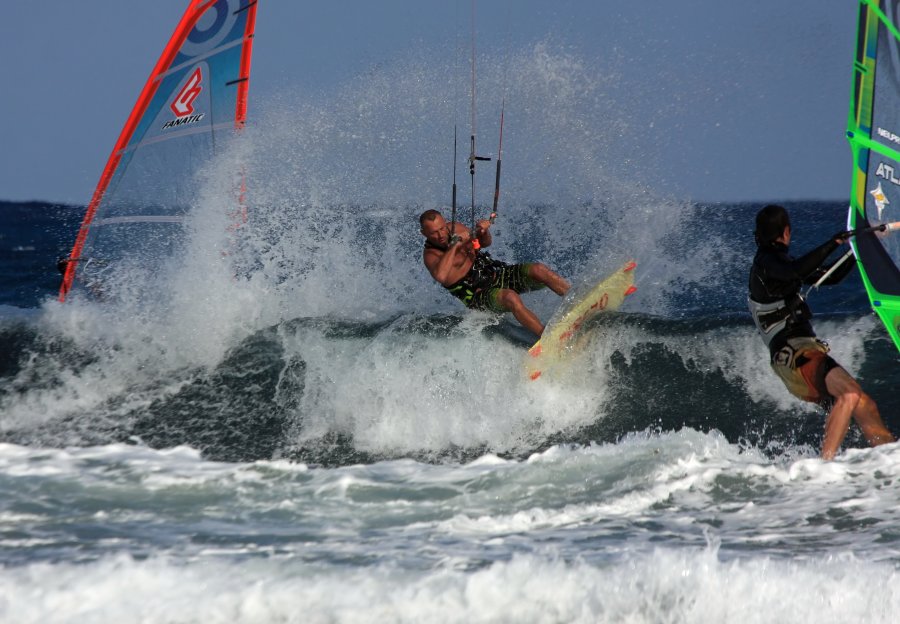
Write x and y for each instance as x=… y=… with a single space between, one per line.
x=784 y=268
x=839 y=274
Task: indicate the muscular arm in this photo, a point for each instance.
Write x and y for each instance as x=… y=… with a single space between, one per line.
x=483 y=233
x=441 y=264
x=445 y=266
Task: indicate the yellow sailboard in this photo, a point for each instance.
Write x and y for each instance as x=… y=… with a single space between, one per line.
x=559 y=339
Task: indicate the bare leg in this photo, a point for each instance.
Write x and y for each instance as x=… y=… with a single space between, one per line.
x=511 y=302
x=541 y=273
x=850 y=400
x=869 y=420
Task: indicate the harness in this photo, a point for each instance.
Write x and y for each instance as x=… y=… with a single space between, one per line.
x=771 y=318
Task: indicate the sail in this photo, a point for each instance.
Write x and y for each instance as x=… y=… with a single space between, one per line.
x=873 y=129
x=192 y=104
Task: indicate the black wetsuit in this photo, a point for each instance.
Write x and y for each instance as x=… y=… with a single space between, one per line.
x=776 y=275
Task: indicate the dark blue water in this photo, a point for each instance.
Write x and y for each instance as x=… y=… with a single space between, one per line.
x=33 y=236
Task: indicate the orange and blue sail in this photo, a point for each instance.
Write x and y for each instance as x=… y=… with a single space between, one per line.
x=873 y=129
x=191 y=106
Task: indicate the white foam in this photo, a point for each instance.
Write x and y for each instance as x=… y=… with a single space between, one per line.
x=674 y=481
x=126 y=466
x=333 y=235
x=663 y=586
x=626 y=516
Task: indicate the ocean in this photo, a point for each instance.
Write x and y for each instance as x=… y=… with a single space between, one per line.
x=324 y=435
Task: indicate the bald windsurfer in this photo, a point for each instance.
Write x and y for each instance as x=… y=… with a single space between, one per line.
x=458 y=263
x=782 y=318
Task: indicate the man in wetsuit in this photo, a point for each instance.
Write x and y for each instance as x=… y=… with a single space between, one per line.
x=782 y=318
x=479 y=281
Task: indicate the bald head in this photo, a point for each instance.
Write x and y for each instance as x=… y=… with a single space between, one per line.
x=429 y=215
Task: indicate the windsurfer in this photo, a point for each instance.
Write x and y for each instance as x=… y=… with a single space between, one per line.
x=479 y=281
x=782 y=318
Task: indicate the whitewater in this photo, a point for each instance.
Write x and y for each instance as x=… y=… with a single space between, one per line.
x=293 y=423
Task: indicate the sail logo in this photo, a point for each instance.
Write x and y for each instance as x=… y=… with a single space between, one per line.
x=886 y=172
x=890 y=136
x=183 y=104
x=184 y=101
x=881 y=200
x=182 y=121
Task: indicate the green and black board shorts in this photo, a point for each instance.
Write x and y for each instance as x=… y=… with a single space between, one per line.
x=480 y=289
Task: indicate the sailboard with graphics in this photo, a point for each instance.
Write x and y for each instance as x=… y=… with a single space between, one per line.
x=190 y=107
x=563 y=336
x=873 y=129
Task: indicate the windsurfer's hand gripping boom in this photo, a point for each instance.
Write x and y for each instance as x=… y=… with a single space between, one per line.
x=842 y=237
x=883 y=229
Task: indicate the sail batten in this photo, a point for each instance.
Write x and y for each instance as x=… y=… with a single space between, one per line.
x=192 y=103
x=176 y=135
x=139 y=219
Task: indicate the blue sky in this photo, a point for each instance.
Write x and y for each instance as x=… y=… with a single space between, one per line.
x=741 y=101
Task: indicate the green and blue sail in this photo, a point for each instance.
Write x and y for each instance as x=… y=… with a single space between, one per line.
x=873 y=128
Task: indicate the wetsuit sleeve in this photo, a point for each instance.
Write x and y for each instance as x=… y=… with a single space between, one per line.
x=836 y=277
x=784 y=268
